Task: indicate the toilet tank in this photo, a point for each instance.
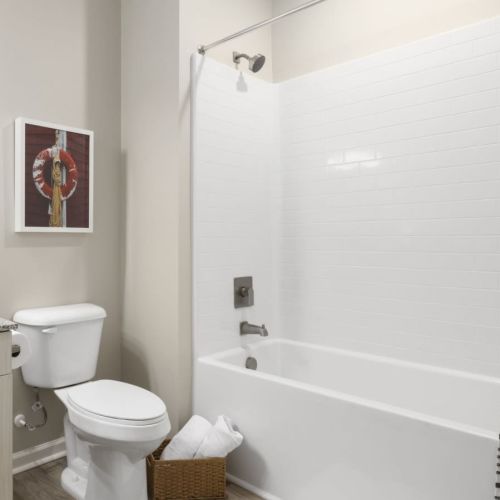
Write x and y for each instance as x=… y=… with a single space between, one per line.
x=64 y=344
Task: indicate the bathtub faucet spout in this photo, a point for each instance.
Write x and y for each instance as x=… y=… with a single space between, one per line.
x=248 y=329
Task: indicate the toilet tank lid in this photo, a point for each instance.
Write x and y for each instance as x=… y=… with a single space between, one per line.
x=59 y=315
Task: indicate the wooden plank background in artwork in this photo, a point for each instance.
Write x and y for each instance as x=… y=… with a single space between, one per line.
x=36 y=206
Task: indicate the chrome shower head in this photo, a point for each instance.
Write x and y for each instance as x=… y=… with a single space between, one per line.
x=255 y=62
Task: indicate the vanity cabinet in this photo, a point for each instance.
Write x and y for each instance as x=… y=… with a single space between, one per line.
x=5 y=417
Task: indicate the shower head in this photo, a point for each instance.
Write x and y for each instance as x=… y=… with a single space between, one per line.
x=255 y=62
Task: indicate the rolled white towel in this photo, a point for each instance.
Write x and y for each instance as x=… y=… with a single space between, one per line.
x=221 y=440
x=187 y=441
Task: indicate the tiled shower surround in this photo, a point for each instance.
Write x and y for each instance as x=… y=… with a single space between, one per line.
x=363 y=198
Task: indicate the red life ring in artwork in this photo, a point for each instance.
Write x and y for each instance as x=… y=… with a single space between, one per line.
x=41 y=161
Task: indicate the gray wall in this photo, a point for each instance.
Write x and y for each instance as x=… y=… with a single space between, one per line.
x=61 y=63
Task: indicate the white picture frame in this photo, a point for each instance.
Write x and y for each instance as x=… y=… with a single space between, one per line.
x=26 y=192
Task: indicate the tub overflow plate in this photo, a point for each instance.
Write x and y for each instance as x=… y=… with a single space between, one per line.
x=251 y=363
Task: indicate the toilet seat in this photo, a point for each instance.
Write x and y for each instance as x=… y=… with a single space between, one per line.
x=91 y=413
x=119 y=402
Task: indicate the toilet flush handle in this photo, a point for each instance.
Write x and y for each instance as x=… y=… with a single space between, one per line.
x=52 y=329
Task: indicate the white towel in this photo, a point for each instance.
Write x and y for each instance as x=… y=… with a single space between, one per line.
x=187 y=441
x=221 y=440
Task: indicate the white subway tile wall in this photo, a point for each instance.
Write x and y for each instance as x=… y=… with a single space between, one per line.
x=363 y=198
x=234 y=157
x=390 y=202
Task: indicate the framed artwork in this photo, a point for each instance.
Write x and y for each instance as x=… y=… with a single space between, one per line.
x=54 y=178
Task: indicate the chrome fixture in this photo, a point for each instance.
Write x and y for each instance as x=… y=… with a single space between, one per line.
x=7 y=325
x=202 y=49
x=255 y=63
x=251 y=363
x=243 y=292
x=21 y=420
x=247 y=329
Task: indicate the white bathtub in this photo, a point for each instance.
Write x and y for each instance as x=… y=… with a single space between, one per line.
x=322 y=423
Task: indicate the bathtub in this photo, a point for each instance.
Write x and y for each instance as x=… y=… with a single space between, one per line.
x=325 y=423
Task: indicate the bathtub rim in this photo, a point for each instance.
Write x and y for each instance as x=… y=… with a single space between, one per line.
x=216 y=360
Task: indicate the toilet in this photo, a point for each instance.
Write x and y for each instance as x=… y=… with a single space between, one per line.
x=110 y=426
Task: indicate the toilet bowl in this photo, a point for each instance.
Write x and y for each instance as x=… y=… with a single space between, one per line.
x=110 y=426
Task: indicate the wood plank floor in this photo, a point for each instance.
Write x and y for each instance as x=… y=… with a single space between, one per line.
x=43 y=483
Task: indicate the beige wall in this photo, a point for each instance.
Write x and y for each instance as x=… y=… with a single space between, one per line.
x=205 y=21
x=150 y=61
x=61 y=63
x=340 y=30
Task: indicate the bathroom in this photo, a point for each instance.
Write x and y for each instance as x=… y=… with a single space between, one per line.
x=296 y=227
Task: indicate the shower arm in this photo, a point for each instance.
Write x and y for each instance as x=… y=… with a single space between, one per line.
x=202 y=49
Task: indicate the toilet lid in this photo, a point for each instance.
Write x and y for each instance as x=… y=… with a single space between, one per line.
x=118 y=400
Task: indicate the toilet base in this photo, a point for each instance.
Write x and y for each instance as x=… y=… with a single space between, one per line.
x=122 y=487
x=113 y=477
x=73 y=484
x=98 y=469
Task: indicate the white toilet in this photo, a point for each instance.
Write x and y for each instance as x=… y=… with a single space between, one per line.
x=110 y=426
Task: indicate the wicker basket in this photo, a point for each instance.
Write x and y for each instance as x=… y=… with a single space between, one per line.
x=200 y=479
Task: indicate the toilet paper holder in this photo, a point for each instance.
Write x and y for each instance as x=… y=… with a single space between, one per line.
x=6 y=325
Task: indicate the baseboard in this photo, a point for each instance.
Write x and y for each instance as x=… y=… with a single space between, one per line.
x=253 y=489
x=38 y=455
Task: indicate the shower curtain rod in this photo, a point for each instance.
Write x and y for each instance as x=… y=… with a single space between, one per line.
x=202 y=49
